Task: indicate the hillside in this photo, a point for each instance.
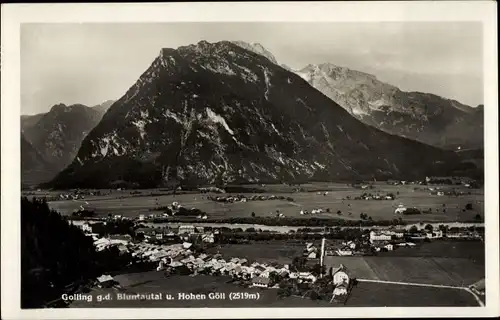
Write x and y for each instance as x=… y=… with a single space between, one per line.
x=424 y=117
x=34 y=168
x=57 y=134
x=209 y=113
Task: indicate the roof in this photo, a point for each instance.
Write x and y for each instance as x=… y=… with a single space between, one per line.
x=261 y=280
x=340 y=268
x=104 y=278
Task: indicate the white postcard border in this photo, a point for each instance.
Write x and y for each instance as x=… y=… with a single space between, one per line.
x=15 y=14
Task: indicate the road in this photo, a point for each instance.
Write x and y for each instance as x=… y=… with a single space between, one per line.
x=427 y=285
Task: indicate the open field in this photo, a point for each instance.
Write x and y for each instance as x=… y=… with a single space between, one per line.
x=440 y=271
x=156 y=282
x=123 y=203
x=366 y=294
x=472 y=250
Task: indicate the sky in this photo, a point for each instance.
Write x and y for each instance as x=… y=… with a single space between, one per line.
x=90 y=63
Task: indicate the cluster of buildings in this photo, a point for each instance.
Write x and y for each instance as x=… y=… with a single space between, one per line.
x=183 y=232
x=314 y=211
x=172 y=210
x=243 y=198
x=369 y=196
x=211 y=190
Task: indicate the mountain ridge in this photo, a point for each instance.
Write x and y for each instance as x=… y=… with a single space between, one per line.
x=57 y=134
x=424 y=117
x=234 y=116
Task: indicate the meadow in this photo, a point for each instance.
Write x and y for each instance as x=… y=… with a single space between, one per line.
x=428 y=270
x=443 y=208
x=366 y=294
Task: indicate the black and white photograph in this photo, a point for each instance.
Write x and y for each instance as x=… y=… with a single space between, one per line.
x=291 y=164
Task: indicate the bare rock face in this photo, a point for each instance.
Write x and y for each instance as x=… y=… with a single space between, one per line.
x=214 y=112
x=419 y=116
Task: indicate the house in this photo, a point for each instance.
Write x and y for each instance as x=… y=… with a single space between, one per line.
x=389 y=247
x=208 y=237
x=186 y=229
x=142 y=217
x=307 y=277
x=199 y=229
x=311 y=255
x=86 y=227
x=398 y=233
x=122 y=249
x=340 y=275
x=344 y=251
x=105 y=281
x=260 y=282
x=434 y=234
x=374 y=236
x=159 y=236
x=340 y=289
x=400 y=209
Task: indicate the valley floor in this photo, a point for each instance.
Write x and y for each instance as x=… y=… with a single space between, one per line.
x=339 y=200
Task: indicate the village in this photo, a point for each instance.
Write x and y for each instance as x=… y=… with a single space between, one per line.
x=181 y=250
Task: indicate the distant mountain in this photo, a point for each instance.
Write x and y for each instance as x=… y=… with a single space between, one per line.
x=256 y=48
x=217 y=112
x=103 y=107
x=29 y=121
x=57 y=134
x=34 y=168
x=424 y=117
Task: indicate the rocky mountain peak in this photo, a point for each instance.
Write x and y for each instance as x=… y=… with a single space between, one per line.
x=212 y=112
x=257 y=48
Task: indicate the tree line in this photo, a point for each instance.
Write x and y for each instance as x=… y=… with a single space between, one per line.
x=56 y=254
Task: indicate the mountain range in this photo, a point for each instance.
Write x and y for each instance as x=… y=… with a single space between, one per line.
x=424 y=117
x=226 y=112
x=51 y=140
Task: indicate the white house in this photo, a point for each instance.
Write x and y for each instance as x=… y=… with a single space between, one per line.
x=208 y=237
x=435 y=234
x=374 y=236
x=400 y=209
x=339 y=290
x=389 y=247
x=86 y=227
x=186 y=229
x=340 y=275
x=344 y=252
x=142 y=217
